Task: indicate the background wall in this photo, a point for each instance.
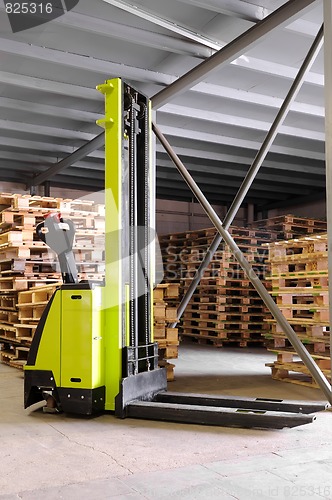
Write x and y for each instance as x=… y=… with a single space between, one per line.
x=179 y=216
x=315 y=210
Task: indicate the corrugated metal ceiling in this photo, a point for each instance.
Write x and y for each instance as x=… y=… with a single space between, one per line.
x=49 y=103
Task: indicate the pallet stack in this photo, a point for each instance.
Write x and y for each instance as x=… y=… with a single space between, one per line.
x=29 y=272
x=299 y=277
x=17 y=338
x=225 y=309
x=26 y=262
x=164 y=298
x=290 y=226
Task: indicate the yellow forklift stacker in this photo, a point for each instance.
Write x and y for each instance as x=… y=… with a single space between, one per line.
x=93 y=349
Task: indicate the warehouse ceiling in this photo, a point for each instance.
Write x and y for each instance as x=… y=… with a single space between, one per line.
x=49 y=104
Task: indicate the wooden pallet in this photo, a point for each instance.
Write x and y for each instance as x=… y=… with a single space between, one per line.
x=236 y=341
x=295 y=372
x=320 y=224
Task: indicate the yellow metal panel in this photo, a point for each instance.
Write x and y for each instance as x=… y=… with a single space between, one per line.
x=48 y=355
x=113 y=290
x=81 y=339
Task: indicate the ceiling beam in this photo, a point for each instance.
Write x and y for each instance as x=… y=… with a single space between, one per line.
x=138 y=36
x=234 y=49
x=186 y=195
x=194 y=135
x=241 y=121
x=252 y=13
x=269 y=164
x=76 y=91
x=257 y=190
x=110 y=29
x=164 y=170
x=172 y=26
x=77 y=155
x=297 y=200
x=148 y=76
x=38 y=146
x=223 y=191
x=42 y=85
x=50 y=160
x=58 y=133
x=255 y=98
x=105 y=68
x=238 y=9
x=44 y=109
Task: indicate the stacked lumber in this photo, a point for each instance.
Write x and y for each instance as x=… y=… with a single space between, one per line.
x=165 y=312
x=291 y=226
x=16 y=338
x=26 y=262
x=299 y=277
x=225 y=308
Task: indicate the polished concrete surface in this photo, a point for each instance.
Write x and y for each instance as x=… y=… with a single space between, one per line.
x=50 y=457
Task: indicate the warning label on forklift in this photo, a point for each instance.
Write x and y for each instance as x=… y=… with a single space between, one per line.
x=23 y=14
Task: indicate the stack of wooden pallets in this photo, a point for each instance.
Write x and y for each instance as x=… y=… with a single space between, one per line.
x=225 y=309
x=17 y=338
x=164 y=298
x=291 y=226
x=26 y=262
x=299 y=277
x=29 y=272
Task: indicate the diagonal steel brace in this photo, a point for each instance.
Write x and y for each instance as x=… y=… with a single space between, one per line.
x=314 y=369
x=254 y=168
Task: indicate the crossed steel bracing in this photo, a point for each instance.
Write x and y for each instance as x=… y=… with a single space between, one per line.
x=282 y=16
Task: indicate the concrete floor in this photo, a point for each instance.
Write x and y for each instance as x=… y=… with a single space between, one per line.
x=45 y=456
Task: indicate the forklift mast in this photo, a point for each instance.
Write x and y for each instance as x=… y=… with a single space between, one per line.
x=93 y=349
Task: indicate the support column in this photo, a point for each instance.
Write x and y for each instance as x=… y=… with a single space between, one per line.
x=328 y=136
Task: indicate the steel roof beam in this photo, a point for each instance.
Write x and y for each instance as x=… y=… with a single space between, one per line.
x=77 y=155
x=47 y=110
x=58 y=133
x=130 y=33
x=241 y=160
x=149 y=76
x=251 y=12
x=223 y=191
x=92 y=64
x=228 y=53
x=139 y=36
x=49 y=160
x=256 y=98
x=219 y=180
x=172 y=26
x=207 y=137
x=239 y=9
x=241 y=121
x=9 y=142
x=228 y=170
x=185 y=195
x=237 y=47
x=42 y=85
